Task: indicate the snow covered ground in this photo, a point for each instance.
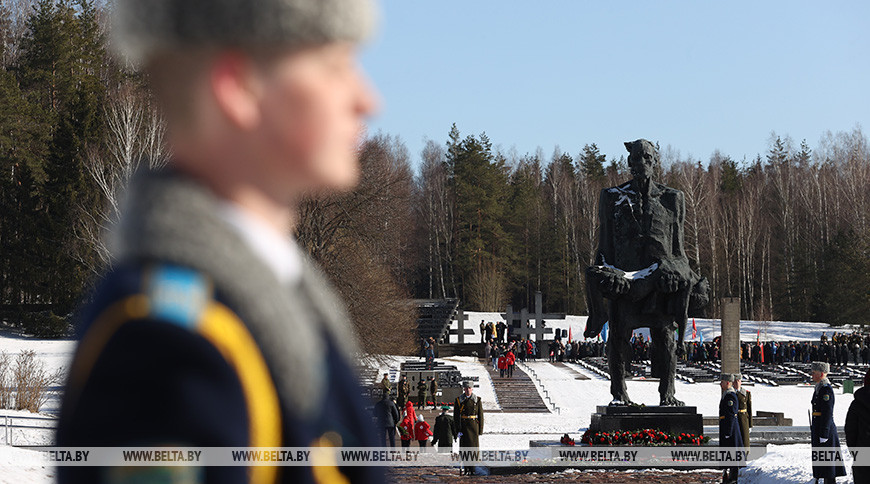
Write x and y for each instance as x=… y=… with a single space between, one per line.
x=576 y=399
x=55 y=355
x=706 y=328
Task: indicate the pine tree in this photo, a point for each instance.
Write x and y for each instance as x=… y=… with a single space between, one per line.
x=592 y=163
x=24 y=136
x=478 y=179
x=731 y=181
x=527 y=228
x=845 y=283
x=62 y=55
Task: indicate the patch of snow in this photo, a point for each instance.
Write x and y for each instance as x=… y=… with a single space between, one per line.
x=785 y=464
x=633 y=276
x=15 y=474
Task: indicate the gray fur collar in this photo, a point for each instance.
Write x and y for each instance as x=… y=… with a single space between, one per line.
x=169 y=217
x=820 y=384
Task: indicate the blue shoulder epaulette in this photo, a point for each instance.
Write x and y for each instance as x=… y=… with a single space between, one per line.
x=177 y=295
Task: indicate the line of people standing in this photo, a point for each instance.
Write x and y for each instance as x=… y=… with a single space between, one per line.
x=490 y=331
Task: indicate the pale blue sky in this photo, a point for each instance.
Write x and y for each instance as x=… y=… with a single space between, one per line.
x=698 y=76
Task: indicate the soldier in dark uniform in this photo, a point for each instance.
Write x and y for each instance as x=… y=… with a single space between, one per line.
x=729 y=426
x=857 y=427
x=823 y=431
x=468 y=418
x=444 y=431
x=744 y=414
x=193 y=337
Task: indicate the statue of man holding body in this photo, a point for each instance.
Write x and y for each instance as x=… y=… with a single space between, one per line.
x=641 y=276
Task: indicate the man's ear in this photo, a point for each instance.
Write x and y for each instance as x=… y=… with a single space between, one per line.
x=234 y=86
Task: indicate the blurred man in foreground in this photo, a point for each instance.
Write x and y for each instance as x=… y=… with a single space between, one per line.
x=213 y=329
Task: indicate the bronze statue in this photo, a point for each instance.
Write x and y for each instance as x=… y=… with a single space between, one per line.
x=642 y=276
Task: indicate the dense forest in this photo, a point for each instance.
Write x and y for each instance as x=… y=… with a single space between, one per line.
x=787 y=231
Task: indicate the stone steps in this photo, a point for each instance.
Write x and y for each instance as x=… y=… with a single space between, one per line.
x=517 y=394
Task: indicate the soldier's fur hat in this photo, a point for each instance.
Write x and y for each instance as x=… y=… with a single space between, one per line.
x=143 y=28
x=467 y=384
x=727 y=377
x=820 y=366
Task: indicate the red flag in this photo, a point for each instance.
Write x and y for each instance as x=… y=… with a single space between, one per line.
x=694 y=329
x=758 y=342
x=569 y=334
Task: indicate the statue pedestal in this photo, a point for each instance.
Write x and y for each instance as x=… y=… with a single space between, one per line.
x=672 y=420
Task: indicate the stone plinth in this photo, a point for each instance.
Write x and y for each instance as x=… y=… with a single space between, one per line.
x=672 y=420
x=730 y=341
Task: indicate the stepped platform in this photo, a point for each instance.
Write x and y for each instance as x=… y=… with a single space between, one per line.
x=517 y=394
x=434 y=315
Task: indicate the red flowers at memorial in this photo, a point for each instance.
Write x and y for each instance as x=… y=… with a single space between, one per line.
x=641 y=437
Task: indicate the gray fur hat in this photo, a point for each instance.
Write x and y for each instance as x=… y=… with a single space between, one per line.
x=143 y=28
x=467 y=384
x=727 y=377
x=820 y=366
x=737 y=376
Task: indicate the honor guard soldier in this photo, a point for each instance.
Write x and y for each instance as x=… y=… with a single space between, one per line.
x=744 y=414
x=823 y=431
x=213 y=328
x=468 y=419
x=729 y=426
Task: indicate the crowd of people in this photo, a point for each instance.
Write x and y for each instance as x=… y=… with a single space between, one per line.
x=503 y=357
x=841 y=349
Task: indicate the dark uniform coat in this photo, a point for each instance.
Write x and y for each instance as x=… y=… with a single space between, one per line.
x=823 y=431
x=744 y=414
x=444 y=432
x=191 y=340
x=729 y=426
x=468 y=418
x=858 y=429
